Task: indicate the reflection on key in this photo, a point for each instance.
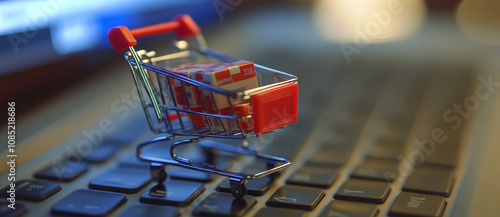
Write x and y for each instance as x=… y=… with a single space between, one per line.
x=173 y=193
x=222 y=204
x=363 y=191
x=85 y=202
x=339 y=208
x=121 y=180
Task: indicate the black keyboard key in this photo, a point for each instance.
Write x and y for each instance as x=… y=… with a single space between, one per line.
x=85 y=202
x=131 y=161
x=222 y=204
x=314 y=176
x=363 y=191
x=271 y=211
x=280 y=150
x=339 y=208
x=150 y=211
x=343 y=141
x=347 y=130
x=8 y=209
x=173 y=193
x=100 y=153
x=296 y=197
x=31 y=190
x=430 y=180
x=414 y=204
x=187 y=174
x=121 y=180
x=376 y=169
x=390 y=151
x=443 y=155
x=64 y=171
x=439 y=152
x=330 y=157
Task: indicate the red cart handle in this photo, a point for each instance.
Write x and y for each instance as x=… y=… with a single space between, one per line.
x=122 y=38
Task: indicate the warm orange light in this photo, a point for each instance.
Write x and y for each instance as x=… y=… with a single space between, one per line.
x=363 y=22
x=480 y=20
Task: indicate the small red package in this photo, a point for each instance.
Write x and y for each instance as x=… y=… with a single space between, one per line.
x=235 y=76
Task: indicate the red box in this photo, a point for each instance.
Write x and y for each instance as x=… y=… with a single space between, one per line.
x=235 y=76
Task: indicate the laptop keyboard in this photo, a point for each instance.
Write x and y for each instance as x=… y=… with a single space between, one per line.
x=367 y=144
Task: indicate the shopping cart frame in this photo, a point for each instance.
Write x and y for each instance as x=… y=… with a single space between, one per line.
x=122 y=38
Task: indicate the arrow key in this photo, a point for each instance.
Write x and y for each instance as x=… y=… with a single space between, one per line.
x=297 y=197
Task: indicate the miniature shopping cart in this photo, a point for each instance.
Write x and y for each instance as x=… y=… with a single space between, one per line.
x=274 y=102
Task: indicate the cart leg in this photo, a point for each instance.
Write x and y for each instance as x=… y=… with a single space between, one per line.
x=158 y=173
x=238 y=187
x=209 y=154
x=271 y=165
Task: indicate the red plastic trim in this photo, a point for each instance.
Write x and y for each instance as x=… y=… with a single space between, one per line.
x=275 y=108
x=121 y=38
x=183 y=25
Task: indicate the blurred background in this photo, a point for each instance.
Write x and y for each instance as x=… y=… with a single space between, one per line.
x=49 y=46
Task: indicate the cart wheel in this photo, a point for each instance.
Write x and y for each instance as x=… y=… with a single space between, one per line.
x=158 y=173
x=238 y=187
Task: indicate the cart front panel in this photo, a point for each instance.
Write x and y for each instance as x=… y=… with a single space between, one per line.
x=275 y=107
